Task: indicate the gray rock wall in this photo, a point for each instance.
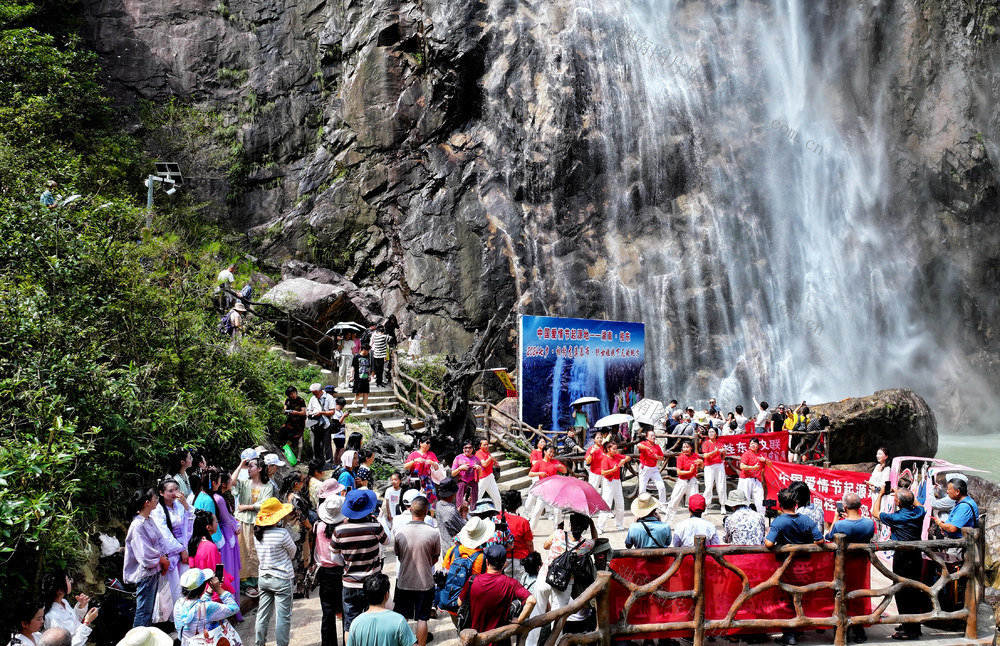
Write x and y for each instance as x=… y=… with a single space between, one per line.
x=376 y=140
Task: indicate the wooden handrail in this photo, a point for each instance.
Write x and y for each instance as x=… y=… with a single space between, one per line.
x=701 y=628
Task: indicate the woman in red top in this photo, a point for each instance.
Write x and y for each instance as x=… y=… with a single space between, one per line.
x=487 y=480
x=537 y=454
x=542 y=469
x=594 y=458
x=687 y=475
x=419 y=463
x=715 y=467
x=650 y=457
x=751 y=471
x=611 y=470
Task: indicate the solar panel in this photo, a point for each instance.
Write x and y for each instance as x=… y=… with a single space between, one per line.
x=169 y=170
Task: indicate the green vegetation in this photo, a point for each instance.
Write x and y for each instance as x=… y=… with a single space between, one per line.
x=109 y=354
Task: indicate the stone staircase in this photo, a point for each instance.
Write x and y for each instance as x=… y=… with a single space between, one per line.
x=512 y=476
x=381 y=400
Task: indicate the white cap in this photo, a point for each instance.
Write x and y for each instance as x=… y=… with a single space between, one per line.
x=248 y=454
x=271 y=460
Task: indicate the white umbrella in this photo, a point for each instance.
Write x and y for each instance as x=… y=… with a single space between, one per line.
x=345 y=325
x=613 y=420
x=649 y=411
x=585 y=400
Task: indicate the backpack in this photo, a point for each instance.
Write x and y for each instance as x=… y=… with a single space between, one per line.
x=802 y=425
x=458 y=574
x=584 y=573
x=561 y=569
x=226 y=324
x=246 y=293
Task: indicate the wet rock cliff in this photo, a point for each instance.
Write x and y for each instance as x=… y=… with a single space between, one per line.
x=452 y=158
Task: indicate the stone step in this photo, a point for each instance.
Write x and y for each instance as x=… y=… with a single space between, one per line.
x=396 y=425
x=389 y=413
x=519 y=484
x=512 y=473
x=505 y=464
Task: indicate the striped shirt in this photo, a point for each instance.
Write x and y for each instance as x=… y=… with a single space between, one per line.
x=380 y=344
x=275 y=553
x=358 y=543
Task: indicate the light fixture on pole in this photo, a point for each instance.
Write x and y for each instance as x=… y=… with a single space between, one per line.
x=167 y=173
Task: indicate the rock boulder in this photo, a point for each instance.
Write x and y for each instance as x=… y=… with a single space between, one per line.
x=319 y=303
x=899 y=419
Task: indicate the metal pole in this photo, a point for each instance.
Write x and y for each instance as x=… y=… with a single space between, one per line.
x=149 y=202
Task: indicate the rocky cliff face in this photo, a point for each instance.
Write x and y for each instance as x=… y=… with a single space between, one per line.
x=452 y=158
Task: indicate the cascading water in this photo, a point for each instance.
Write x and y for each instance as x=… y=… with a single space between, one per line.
x=742 y=151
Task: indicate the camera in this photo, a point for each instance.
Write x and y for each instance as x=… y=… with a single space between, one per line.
x=770 y=509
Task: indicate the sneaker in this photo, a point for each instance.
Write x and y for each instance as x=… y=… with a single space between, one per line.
x=253 y=593
x=366 y=410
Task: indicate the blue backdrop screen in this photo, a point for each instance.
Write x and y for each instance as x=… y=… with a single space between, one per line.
x=563 y=359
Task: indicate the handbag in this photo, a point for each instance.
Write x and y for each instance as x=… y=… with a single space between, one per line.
x=222 y=635
x=438 y=474
x=163 y=606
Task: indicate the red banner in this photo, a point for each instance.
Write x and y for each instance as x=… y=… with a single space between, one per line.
x=723 y=586
x=773 y=446
x=827 y=485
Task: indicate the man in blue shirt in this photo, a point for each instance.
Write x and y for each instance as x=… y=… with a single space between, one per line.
x=648 y=531
x=965 y=513
x=907 y=525
x=856 y=527
x=791 y=529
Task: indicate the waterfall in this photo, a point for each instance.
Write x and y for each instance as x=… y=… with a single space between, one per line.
x=727 y=185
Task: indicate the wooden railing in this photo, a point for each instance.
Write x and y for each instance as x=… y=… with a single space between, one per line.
x=410 y=392
x=700 y=628
x=294 y=333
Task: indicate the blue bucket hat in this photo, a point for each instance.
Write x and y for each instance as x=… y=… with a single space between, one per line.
x=359 y=503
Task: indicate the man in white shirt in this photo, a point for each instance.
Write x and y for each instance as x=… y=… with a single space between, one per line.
x=225 y=281
x=318 y=412
x=763 y=417
x=686 y=530
x=402 y=518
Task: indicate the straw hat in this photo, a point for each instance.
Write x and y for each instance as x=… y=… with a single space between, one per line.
x=271 y=511
x=701 y=418
x=476 y=532
x=146 y=636
x=644 y=504
x=240 y=307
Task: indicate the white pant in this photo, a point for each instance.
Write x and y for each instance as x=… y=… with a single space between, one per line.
x=715 y=478
x=547 y=598
x=540 y=507
x=488 y=486
x=754 y=491
x=647 y=474
x=344 y=371
x=529 y=502
x=596 y=480
x=616 y=501
x=682 y=489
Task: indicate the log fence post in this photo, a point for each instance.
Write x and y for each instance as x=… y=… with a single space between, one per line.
x=699 y=590
x=604 y=614
x=840 y=588
x=971 y=583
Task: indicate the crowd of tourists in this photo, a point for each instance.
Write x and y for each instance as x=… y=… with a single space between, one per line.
x=205 y=536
